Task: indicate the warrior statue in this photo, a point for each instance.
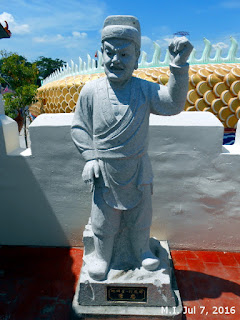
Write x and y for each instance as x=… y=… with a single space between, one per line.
x=110 y=129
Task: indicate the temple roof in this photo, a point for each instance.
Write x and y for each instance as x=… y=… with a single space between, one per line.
x=4 y=32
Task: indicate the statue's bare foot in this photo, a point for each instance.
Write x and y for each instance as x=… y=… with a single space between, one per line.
x=98 y=269
x=149 y=261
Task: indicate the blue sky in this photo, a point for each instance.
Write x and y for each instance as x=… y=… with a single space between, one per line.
x=69 y=29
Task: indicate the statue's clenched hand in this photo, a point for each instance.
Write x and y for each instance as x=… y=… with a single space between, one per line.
x=180 y=49
x=91 y=170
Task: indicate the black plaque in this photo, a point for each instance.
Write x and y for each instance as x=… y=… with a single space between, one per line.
x=129 y=294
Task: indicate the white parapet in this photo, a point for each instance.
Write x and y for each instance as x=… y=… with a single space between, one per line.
x=187 y=132
x=48 y=133
x=9 y=137
x=196 y=185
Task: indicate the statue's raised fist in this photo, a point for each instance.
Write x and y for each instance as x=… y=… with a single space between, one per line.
x=180 y=49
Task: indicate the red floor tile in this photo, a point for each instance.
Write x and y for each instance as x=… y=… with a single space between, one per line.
x=190 y=255
x=214 y=269
x=179 y=258
x=196 y=265
x=212 y=282
x=228 y=259
x=39 y=283
x=237 y=257
x=232 y=273
x=206 y=256
x=179 y=255
x=218 y=309
x=181 y=267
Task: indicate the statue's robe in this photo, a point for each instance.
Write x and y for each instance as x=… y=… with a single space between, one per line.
x=120 y=144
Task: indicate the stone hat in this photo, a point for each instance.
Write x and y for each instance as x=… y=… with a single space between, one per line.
x=125 y=27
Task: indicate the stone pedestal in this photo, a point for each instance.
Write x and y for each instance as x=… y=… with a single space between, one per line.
x=128 y=292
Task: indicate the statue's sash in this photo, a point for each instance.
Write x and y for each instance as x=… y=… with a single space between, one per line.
x=126 y=137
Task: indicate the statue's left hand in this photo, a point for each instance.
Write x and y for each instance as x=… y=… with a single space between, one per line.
x=180 y=49
x=91 y=170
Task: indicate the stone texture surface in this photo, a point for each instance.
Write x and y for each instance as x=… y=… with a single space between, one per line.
x=162 y=294
x=110 y=129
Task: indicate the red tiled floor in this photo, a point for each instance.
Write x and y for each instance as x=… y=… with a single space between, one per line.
x=228 y=259
x=196 y=265
x=233 y=273
x=212 y=284
x=39 y=283
x=214 y=268
x=206 y=256
x=180 y=260
x=191 y=255
x=237 y=257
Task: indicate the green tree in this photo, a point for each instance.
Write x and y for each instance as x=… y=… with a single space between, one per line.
x=46 y=66
x=15 y=101
x=21 y=77
x=3 y=54
x=16 y=71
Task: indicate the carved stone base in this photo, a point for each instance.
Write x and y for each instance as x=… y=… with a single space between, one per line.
x=125 y=293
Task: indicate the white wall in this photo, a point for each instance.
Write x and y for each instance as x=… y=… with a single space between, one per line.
x=43 y=200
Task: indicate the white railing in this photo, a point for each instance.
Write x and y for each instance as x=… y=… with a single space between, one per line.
x=90 y=67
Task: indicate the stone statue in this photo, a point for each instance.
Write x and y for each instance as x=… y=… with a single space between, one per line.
x=110 y=129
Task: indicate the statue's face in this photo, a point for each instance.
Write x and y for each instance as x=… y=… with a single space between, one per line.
x=119 y=59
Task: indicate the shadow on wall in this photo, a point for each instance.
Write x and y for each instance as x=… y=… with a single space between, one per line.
x=37 y=269
x=22 y=202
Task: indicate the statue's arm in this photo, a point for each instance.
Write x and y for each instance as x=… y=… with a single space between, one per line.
x=170 y=99
x=82 y=126
x=82 y=135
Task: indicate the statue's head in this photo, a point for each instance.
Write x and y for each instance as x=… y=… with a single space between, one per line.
x=121 y=41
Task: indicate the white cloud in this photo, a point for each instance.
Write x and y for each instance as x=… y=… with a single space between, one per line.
x=6 y=17
x=80 y=35
x=40 y=39
x=165 y=41
x=230 y=4
x=21 y=29
x=148 y=45
x=46 y=38
x=66 y=41
x=146 y=40
x=58 y=37
x=168 y=40
x=14 y=27
x=220 y=45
